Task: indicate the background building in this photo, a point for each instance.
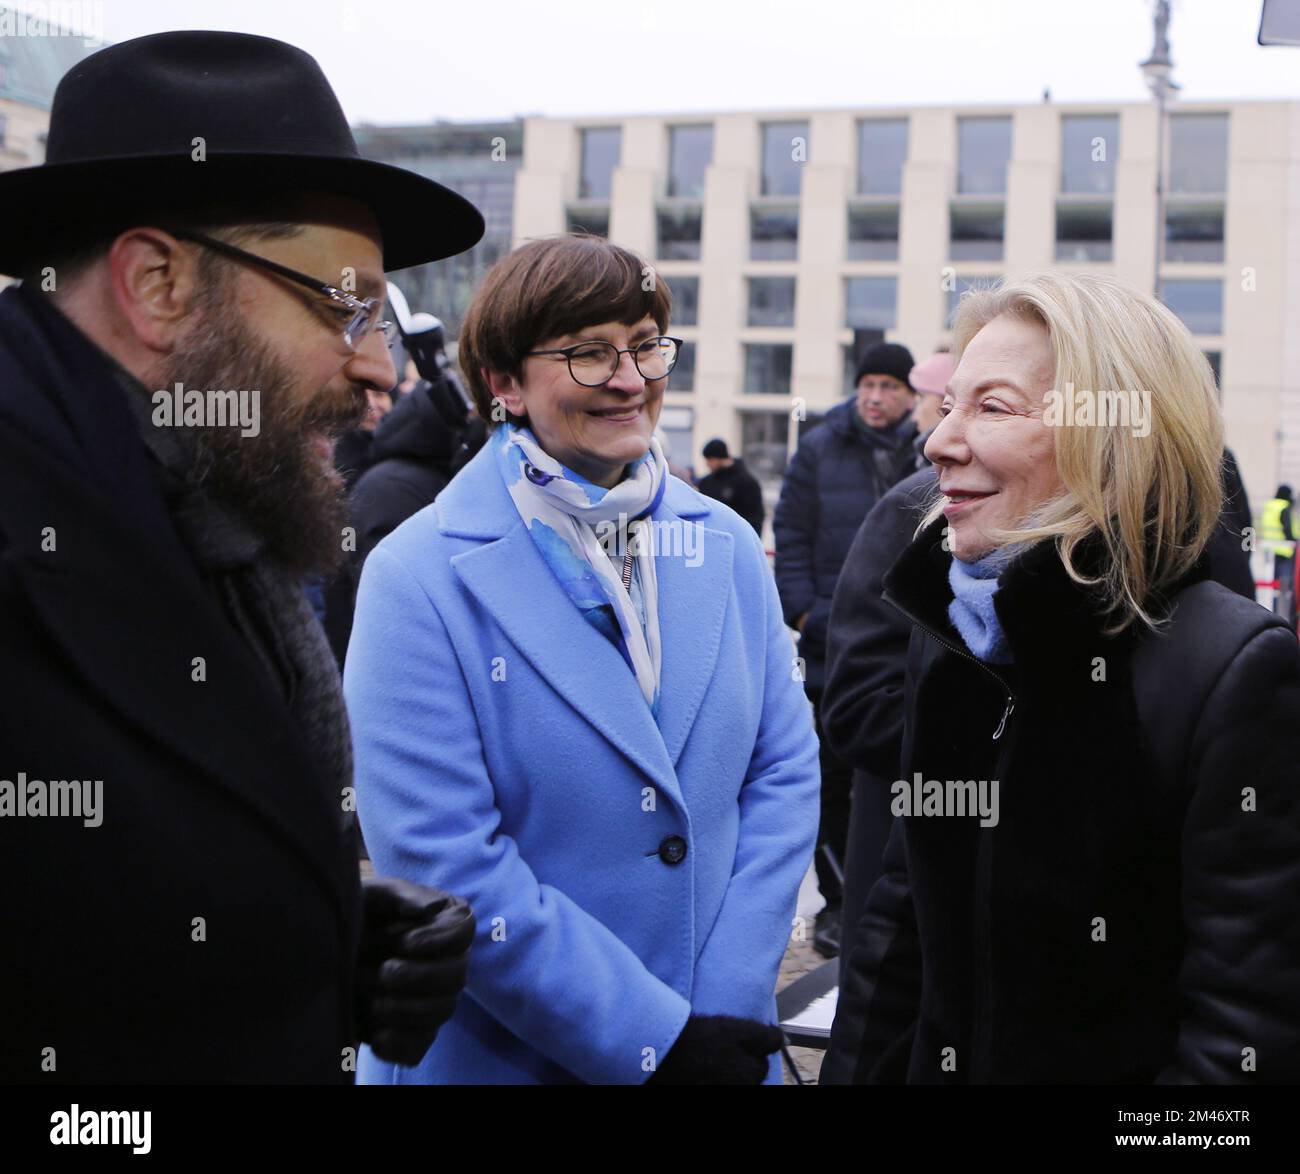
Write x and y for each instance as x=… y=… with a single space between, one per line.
x=790 y=239
x=478 y=160
x=30 y=69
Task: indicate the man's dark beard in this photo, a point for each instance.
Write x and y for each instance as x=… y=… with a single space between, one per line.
x=273 y=480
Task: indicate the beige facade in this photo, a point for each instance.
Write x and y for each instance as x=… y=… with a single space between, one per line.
x=25 y=126
x=1258 y=341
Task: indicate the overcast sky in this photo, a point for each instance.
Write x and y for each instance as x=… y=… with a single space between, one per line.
x=395 y=61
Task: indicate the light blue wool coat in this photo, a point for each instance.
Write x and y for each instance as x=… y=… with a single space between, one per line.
x=505 y=753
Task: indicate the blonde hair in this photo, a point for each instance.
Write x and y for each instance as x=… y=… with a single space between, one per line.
x=1154 y=499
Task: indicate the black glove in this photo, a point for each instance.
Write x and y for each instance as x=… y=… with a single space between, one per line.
x=414 y=953
x=719 y=1049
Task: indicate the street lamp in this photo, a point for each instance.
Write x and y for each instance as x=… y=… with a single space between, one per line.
x=1157 y=70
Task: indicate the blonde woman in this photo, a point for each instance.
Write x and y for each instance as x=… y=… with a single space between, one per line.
x=1096 y=866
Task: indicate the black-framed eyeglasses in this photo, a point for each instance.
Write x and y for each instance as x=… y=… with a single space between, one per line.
x=359 y=315
x=594 y=363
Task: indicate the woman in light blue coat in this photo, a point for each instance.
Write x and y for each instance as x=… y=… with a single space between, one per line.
x=574 y=702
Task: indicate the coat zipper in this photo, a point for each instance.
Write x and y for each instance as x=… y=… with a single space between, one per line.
x=1011 y=697
x=982 y=1024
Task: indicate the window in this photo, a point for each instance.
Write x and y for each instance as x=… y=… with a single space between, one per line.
x=679 y=233
x=686 y=300
x=1194 y=231
x=1198 y=154
x=767 y=368
x=771 y=301
x=593 y=220
x=882 y=151
x=1089 y=149
x=4 y=126
x=870 y=302
x=785 y=149
x=774 y=233
x=1083 y=231
x=682 y=376
x=873 y=232
x=1198 y=303
x=690 y=151
x=676 y=432
x=600 y=152
x=975 y=231
x=983 y=152
x=964 y=285
x=765 y=443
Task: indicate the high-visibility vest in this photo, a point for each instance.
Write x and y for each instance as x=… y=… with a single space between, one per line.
x=1270 y=528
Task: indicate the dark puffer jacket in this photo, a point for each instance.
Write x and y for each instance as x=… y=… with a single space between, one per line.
x=838 y=473
x=1131 y=916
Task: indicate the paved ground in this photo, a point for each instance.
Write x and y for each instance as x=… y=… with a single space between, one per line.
x=799 y=959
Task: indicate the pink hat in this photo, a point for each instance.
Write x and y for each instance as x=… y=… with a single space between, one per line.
x=931 y=376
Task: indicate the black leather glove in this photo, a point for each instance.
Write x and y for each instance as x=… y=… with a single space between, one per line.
x=414 y=953
x=719 y=1049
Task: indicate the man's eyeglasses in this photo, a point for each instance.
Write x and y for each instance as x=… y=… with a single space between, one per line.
x=359 y=316
x=594 y=363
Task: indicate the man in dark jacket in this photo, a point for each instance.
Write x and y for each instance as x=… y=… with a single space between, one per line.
x=732 y=484
x=411 y=459
x=187 y=907
x=840 y=470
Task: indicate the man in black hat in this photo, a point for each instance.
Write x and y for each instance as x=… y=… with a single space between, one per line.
x=730 y=482
x=840 y=470
x=202 y=259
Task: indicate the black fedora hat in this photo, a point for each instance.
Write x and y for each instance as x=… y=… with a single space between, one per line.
x=185 y=119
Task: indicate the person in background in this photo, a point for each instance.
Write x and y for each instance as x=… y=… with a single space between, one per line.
x=412 y=457
x=729 y=482
x=571 y=692
x=841 y=468
x=353 y=451
x=1276 y=533
x=930 y=381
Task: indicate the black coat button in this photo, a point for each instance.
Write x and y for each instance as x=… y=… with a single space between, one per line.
x=672 y=850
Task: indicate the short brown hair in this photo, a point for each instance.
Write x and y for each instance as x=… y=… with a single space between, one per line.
x=549 y=287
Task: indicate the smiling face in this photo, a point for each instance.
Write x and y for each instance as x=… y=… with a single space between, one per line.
x=595 y=431
x=995 y=455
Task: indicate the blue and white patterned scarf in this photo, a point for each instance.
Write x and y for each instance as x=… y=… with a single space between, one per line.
x=562 y=510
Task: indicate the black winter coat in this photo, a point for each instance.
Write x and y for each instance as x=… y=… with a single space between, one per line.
x=1155 y=788
x=836 y=476
x=409 y=464
x=212 y=806
x=862 y=706
x=736 y=486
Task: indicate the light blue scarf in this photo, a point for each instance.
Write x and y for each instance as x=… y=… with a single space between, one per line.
x=567 y=516
x=971 y=610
